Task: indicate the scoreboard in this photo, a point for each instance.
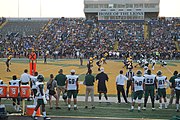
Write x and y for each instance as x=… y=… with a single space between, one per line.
x=121 y=9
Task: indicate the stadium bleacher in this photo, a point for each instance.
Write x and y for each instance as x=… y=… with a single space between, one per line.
x=28 y=27
x=63 y=37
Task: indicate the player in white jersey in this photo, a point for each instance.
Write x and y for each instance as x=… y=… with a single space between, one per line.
x=41 y=100
x=33 y=85
x=137 y=87
x=1 y=83
x=163 y=63
x=161 y=81
x=16 y=101
x=150 y=85
x=139 y=62
x=72 y=88
x=177 y=90
x=145 y=70
x=153 y=62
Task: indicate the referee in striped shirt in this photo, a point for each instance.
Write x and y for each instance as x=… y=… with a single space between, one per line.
x=129 y=75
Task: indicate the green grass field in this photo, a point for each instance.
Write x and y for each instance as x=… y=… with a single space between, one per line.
x=102 y=110
x=105 y=110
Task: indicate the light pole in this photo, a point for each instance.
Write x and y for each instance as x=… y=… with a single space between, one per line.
x=40 y=8
x=18 y=8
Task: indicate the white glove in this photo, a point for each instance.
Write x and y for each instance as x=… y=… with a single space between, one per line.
x=44 y=99
x=47 y=95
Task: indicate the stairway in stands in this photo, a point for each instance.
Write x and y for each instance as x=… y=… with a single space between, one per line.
x=177 y=43
x=3 y=24
x=44 y=27
x=116 y=45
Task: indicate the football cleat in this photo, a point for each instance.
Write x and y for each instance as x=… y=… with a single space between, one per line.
x=131 y=110
x=47 y=118
x=35 y=118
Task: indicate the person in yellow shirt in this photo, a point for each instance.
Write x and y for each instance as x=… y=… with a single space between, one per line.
x=8 y=63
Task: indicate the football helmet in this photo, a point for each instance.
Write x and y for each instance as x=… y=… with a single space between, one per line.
x=40 y=78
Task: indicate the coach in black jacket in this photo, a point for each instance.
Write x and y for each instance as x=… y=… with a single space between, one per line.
x=102 y=78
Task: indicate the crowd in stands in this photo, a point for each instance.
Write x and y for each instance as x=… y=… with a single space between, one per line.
x=70 y=37
x=131 y=38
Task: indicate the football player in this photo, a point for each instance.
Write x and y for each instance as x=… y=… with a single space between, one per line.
x=90 y=63
x=137 y=87
x=98 y=63
x=163 y=63
x=162 y=81
x=129 y=63
x=8 y=63
x=139 y=62
x=145 y=70
x=33 y=85
x=1 y=83
x=146 y=63
x=150 y=85
x=103 y=60
x=172 y=81
x=16 y=82
x=40 y=96
x=72 y=88
x=153 y=62
x=177 y=90
x=125 y=63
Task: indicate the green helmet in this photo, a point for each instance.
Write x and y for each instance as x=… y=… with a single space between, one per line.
x=40 y=78
x=159 y=72
x=138 y=72
x=64 y=96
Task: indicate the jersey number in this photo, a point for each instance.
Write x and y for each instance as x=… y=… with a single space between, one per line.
x=177 y=83
x=149 y=80
x=139 y=83
x=161 y=82
x=71 y=81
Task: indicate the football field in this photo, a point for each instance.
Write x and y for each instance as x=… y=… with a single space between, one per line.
x=112 y=69
x=102 y=110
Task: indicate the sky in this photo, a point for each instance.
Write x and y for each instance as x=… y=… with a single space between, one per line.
x=66 y=8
